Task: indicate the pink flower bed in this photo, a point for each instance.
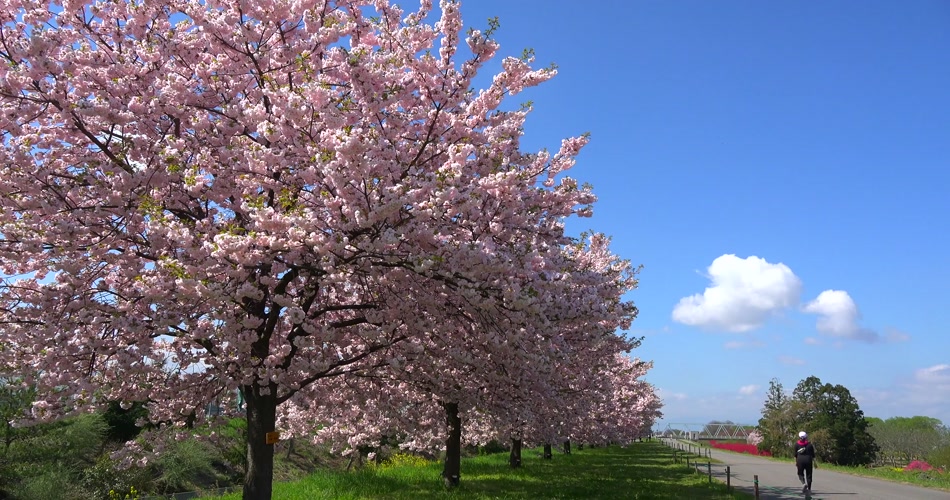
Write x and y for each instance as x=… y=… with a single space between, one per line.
x=921 y=466
x=739 y=448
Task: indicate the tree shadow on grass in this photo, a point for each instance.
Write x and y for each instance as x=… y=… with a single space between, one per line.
x=640 y=471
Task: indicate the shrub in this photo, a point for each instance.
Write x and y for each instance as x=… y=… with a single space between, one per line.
x=75 y=442
x=132 y=494
x=493 y=446
x=940 y=457
x=918 y=465
x=231 y=442
x=186 y=464
x=54 y=481
x=122 y=421
x=105 y=479
x=46 y=459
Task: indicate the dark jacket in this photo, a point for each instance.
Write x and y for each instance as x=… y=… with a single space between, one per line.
x=804 y=452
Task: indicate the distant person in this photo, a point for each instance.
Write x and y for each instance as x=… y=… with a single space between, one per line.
x=804 y=460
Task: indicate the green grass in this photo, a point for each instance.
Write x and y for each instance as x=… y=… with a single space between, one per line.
x=640 y=471
x=932 y=479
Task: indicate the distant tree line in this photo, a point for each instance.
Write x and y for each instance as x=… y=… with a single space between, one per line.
x=904 y=439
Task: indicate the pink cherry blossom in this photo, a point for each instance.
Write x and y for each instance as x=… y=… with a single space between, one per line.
x=301 y=203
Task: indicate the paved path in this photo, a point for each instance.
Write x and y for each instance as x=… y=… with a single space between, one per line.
x=779 y=481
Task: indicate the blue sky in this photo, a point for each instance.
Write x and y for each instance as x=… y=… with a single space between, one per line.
x=753 y=155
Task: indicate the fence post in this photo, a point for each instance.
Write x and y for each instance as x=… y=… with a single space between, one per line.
x=728 y=480
x=709 y=471
x=755 y=482
x=687 y=460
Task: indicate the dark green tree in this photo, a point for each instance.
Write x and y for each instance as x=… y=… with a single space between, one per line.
x=830 y=415
x=836 y=423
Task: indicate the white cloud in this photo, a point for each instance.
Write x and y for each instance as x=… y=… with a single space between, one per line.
x=649 y=332
x=743 y=294
x=748 y=390
x=838 y=316
x=738 y=344
x=788 y=360
x=813 y=341
x=895 y=335
x=924 y=392
x=666 y=395
x=938 y=375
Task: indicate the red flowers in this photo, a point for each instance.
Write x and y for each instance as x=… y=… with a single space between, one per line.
x=921 y=466
x=739 y=448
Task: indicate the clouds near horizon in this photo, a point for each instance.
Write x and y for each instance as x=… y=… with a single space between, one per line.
x=926 y=392
x=748 y=389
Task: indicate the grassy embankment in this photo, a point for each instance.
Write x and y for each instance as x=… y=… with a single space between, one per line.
x=640 y=471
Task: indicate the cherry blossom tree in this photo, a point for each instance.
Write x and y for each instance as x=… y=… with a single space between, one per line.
x=199 y=199
x=528 y=376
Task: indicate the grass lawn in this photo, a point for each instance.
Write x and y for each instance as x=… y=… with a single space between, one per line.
x=640 y=471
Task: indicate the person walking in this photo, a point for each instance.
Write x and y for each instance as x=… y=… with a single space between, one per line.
x=804 y=460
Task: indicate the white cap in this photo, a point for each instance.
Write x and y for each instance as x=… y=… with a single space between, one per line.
x=803 y=434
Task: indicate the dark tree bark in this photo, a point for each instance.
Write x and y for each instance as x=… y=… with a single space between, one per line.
x=290 y=449
x=547 y=452
x=452 y=471
x=567 y=447
x=514 y=458
x=261 y=418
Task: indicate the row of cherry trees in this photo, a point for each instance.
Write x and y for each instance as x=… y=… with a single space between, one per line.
x=304 y=202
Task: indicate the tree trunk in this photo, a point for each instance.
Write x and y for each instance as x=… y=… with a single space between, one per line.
x=261 y=418
x=514 y=458
x=547 y=452
x=452 y=472
x=567 y=446
x=290 y=449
